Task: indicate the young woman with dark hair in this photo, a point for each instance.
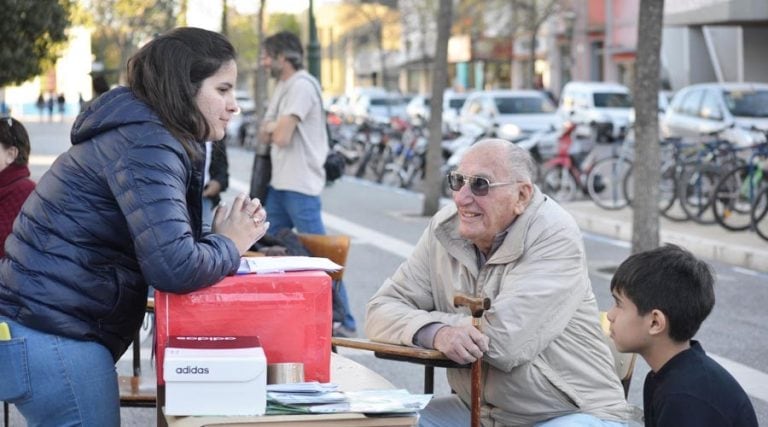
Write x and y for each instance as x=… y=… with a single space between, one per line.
x=118 y=212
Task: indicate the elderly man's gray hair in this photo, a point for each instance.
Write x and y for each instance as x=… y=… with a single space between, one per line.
x=519 y=160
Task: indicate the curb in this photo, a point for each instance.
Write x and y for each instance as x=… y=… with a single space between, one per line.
x=709 y=247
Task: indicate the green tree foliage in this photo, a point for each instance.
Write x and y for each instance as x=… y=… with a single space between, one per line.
x=31 y=37
x=122 y=26
x=241 y=31
x=283 y=22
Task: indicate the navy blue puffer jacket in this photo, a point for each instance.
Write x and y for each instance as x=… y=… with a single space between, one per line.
x=118 y=211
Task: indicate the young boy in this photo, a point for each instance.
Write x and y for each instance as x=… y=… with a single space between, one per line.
x=661 y=297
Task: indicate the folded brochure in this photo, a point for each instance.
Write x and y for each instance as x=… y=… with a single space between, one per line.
x=279 y=264
x=398 y=401
x=304 y=387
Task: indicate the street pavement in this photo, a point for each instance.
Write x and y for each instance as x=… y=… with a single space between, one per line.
x=387 y=225
x=744 y=249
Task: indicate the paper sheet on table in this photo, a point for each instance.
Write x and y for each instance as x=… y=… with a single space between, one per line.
x=376 y=402
x=306 y=398
x=280 y=264
x=366 y=402
x=305 y=387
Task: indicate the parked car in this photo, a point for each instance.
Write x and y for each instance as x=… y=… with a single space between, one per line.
x=419 y=108
x=710 y=107
x=508 y=114
x=601 y=111
x=378 y=108
x=236 y=129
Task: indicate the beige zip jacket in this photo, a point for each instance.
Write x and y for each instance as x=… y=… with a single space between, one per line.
x=548 y=356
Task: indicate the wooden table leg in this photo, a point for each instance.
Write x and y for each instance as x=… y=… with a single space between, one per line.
x=160 y=404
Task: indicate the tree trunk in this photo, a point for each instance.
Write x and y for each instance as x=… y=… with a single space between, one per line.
x=531 y=80
x=224 y=23
x=533 y=20
x=433 y=182
x=382 y=61
x=645 y=220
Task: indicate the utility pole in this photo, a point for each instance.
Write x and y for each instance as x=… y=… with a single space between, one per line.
x=313 y=50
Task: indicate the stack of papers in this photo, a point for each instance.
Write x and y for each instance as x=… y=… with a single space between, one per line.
x=367 y=402
x=305 y=387
x=280 y=264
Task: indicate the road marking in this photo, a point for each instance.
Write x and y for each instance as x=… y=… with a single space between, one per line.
x=382 y=241
x=42 y=159
x=753 y=381
x=372 y=237
x=749 y=272
x=606 y=240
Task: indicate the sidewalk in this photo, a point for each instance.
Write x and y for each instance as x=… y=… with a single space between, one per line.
x=744 y=249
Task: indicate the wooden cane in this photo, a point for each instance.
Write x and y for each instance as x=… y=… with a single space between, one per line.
x=476 y=306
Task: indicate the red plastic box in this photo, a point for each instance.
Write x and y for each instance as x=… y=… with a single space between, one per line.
x=289 y=312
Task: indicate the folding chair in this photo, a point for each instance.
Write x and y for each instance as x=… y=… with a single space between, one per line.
x=333 y=247
x=137 y=390
x=420 y=356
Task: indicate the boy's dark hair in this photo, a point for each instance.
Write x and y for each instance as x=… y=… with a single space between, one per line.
x=167 y=74
x=672 y=280
x=287 y=44
x=14 y=134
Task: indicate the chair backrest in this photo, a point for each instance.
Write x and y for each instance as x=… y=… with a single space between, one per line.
x=624 y=363
x=333 y=247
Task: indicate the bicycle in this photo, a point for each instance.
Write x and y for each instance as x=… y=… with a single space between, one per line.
x=674 y=155
x=697 y=182
x=376 y=152
x=737 y=191
x=564 y=175
x=759 y=214
x=408 y=159
x=605 y=181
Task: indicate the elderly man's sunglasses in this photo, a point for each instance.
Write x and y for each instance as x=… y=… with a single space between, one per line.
x=478 y=185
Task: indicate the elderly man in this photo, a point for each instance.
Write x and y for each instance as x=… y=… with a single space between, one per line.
x=545 y=359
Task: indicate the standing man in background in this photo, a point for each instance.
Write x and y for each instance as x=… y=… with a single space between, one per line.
x=294 y=127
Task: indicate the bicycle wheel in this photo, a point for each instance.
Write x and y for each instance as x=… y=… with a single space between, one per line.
x=733 y=199
x=605 y=182
x=392 y=176
x=695 y=189
x=559 y=184
x=759 y=213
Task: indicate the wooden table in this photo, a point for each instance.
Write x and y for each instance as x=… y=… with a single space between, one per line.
x=348 y=374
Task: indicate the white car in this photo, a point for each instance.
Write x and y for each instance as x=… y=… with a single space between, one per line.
x=736 y=108
x=235 y=130
x=378 y=108
x=418 y=109
x=508 y=114
x=601 y=111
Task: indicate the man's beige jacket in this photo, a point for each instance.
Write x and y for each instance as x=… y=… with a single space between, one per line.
x=547 y=354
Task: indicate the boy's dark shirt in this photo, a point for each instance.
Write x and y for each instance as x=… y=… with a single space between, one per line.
x=691 y=389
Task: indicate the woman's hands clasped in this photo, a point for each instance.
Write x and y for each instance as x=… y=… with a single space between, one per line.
x=245 y=222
